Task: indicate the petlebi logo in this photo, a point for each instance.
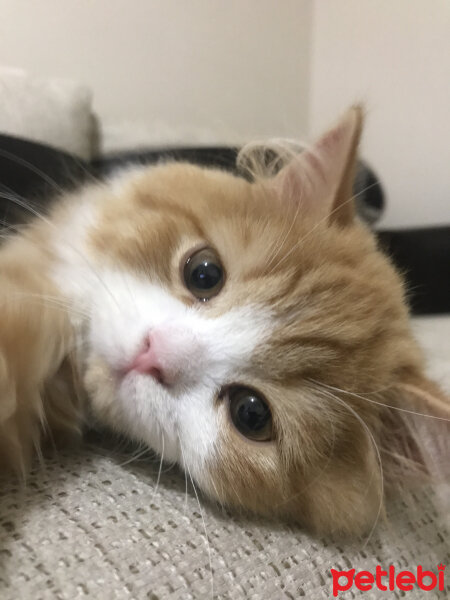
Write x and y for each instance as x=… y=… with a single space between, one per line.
x=388 y=579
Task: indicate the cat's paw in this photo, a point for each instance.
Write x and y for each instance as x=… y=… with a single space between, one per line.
x=17 y=423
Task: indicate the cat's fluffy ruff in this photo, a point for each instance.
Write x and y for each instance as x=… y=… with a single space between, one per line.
x=311 y=314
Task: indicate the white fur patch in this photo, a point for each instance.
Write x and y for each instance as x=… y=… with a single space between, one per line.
x=208 y=352
x=180 y=421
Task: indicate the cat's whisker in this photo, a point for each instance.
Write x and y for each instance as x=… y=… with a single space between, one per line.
x=19 y=201
x=207 y=542
x=316 y=478
x=160 y=466
x=46 y=178
x=170 y=466
x=377 y=451
x=21 y=161
x=286 y=236
x=384 y=404
x=185 y=475
x=135 y=457
x=22 y=203
x=130 y=294
x=320 y=223
x=47 y=300
x=185 y=492
x=16 y=230
x=87 y=172
x=140 y=452
x=150 y=361
x=236 y=493
x=274 y=244
x=213 y=483
x=9 y=228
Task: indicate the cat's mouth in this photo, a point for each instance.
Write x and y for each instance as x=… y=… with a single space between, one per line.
x=134 y=369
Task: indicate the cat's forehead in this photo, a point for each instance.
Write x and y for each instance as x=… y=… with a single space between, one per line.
x=187 y=186
x=173 y=204
x=271 y=255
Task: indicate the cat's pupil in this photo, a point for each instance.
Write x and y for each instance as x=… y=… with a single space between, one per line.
x=206 y=275
x=203 y=274
x=253 y=413
x=250 y=414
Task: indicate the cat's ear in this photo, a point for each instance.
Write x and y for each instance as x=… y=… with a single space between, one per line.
x=416 y=435
x=319 y=181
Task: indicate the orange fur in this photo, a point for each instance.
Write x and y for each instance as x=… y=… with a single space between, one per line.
x=340 y=351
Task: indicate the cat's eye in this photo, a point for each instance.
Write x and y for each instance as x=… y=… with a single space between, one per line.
x=203 y=274
x=250 y=414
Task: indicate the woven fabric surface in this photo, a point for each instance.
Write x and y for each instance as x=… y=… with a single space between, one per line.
x=94 y=524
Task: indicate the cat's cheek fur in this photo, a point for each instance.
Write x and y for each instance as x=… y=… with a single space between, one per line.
x=178 y=420
x=333 y=497
x=244 y=474
x=181 y=428
x=311 y=315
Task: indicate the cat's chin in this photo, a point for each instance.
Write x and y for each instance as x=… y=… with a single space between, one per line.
x=135 y=405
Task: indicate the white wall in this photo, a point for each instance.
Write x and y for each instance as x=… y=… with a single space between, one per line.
x=395 y=56
x=233 y=68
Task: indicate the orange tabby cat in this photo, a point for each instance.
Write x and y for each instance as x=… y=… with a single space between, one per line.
x=250 y=331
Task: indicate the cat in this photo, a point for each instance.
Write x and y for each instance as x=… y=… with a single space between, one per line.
x=247 y=328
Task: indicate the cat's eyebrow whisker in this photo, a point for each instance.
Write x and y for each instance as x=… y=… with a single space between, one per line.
x=22 y=203
x=377 y=451
x=319 y=223
x=384 y=404
x=286 y=236
x=275 y=247
x=273 y=250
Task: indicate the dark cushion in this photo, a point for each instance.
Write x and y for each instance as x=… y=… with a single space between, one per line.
x=34 y=172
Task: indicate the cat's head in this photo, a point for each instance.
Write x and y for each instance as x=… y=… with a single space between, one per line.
x=234 y=325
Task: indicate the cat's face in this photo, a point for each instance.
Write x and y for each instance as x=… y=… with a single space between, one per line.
x=220 y=311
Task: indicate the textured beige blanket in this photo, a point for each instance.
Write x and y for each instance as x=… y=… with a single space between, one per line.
x=93 y=526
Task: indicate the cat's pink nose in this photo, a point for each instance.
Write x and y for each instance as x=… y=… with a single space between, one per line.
x=168 y=354
x=147 y=362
